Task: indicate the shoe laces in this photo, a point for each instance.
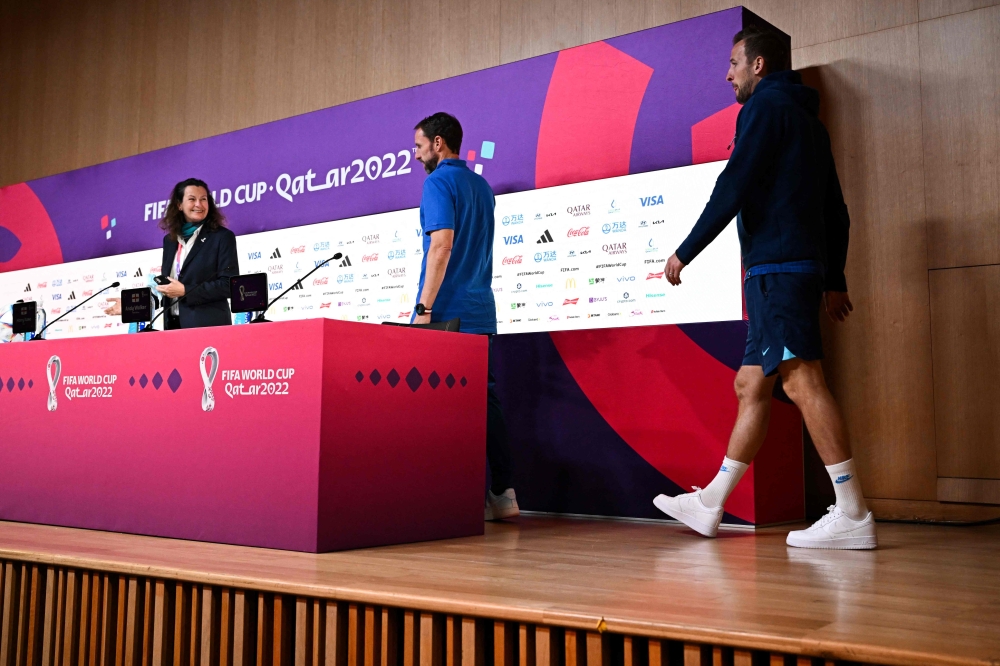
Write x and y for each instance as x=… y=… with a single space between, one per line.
x=833 y=514
x=697 y=489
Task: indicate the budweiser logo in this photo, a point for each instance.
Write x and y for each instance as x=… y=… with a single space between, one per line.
x=510 y=261
x=582 y=231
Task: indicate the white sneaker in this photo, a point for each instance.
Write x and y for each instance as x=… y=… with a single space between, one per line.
x=690 y=510
x=501 y=506
x=837 y=530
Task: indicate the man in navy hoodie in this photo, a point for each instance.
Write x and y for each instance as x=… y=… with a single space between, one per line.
x=781 y=185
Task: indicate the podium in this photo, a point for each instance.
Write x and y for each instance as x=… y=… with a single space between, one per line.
x=313 y=436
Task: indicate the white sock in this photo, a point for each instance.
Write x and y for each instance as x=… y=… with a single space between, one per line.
x=848 y=489
x=717 y=492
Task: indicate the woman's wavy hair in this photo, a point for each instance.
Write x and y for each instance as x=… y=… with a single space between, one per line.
x=173 y=220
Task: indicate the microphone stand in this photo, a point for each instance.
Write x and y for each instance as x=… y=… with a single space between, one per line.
x=260 y=318
x=81 y=303
x=156 y=302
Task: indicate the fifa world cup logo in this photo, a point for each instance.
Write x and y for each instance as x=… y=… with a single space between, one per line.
x=207 y=377
x=52 y=371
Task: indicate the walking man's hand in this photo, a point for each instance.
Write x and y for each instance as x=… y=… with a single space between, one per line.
x=673 y=270
x=838 y=305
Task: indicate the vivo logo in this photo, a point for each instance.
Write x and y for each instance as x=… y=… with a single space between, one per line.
x=626 y=278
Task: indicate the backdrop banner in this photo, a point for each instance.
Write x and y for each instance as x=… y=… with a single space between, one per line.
x=603 y=415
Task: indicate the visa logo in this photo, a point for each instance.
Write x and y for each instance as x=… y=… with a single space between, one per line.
x=513 y=240
x=274 y=286
x=253 y=255
x=651 y=201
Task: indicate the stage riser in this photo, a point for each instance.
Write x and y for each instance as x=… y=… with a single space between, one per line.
x=60 y=616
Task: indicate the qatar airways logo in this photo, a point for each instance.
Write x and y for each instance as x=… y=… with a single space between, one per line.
x=369 y=258
x=615 y=248
x=578 y=211
x=576 y=233
x=511 y=261
x=370 y=239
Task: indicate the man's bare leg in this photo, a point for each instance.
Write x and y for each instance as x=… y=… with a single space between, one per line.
x=805 y=385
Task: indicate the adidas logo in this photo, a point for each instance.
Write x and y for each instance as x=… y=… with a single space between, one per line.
x=276 y=254
x=72 y=296
x=346 y=262
x=28 y=288
x=546 y=237
x=297 y=285
x=138 y=272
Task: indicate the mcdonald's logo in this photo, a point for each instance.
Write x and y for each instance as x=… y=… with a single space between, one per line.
x=570 y=283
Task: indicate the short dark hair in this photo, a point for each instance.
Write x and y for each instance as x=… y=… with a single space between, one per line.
x=173 y=220
x=765 y=43
x=443 y=125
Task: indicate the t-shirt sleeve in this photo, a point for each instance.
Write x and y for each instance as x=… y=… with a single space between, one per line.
x=438 y=205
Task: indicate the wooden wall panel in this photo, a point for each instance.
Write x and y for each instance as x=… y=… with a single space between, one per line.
x=961 y=137
x=965 y=312
x=879 y=361
x=931 y=9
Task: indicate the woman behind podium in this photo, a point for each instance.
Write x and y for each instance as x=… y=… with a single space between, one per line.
x=199 y=257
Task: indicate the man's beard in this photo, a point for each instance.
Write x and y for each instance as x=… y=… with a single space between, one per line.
x=743 y=92
x=431 y=164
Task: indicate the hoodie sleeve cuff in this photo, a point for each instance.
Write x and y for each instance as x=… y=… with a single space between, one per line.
x=836 y=283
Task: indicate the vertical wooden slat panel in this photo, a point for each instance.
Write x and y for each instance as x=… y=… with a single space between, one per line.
x=59 y=617
x=148 y=620
x=697 y=655
x=181 y=624
x=635 y=651
x=94 y=622
x=453 y=641
x=11 y=606
x=504 y=643
x=283 y=630
x=210 y=619
x=242 y=649
x=36 y=615
x=303 y=632
x=71 y=627
x=318 y=632
x=49 y=623
x=192 y=646
x=411 y=638
x=225 y=631
x=741 y=657
x=336 y=634
x=598 y=651
x=373 y=636
x=133 y=622
x=526 y=645
x=265 y=629
x=547 y=644
x=431 y=639
x=18 y=653
x=121 y=617
x=575 y=653
x=83 y=618
x=390 y=637
x=355 y=635
x=162 y=624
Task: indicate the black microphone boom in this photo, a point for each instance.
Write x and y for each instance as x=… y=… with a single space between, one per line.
x=260 y=318
x=110 y=286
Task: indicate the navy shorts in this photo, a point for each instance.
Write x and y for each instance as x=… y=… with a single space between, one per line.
x=783 y=309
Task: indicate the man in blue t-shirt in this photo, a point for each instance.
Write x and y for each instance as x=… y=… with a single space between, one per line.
x=456 y=276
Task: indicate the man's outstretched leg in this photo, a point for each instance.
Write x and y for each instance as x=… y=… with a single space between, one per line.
x=702 y=509
x=849 y=524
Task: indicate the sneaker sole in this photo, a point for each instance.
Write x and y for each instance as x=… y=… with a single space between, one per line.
x=698 y=526
x=498 y=514
x=842 y=543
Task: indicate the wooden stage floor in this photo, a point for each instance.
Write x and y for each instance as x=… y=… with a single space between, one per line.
x=927 y=595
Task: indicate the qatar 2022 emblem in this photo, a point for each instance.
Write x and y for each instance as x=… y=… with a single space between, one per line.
x=52 y=371
x=208 y=376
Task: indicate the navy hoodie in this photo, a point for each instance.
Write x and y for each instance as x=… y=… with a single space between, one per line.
x=780 y=184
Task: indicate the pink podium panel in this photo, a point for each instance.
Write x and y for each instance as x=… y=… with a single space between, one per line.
x=313 y=435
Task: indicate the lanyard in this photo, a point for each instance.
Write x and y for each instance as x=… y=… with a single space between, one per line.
x=177 y=259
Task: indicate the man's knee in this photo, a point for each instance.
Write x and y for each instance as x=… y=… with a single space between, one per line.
x=801 y=379
x=751 y=385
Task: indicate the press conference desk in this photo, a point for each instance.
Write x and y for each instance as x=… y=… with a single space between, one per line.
x=313 y=435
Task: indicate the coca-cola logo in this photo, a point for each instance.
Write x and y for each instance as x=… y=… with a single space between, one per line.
x=582 y=231
x=369 y=258
x=322 y=280
x=510 y=261
x=298 y=249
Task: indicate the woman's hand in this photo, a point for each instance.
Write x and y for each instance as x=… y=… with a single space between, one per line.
x=114 y=306
x=173 y=290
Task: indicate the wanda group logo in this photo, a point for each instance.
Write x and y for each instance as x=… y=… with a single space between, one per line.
x=511 y=261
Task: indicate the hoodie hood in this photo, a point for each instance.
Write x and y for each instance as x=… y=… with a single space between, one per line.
x=789 y=82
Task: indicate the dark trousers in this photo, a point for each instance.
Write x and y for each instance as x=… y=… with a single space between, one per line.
x=497 y=446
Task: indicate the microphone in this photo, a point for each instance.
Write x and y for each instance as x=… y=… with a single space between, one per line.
x=260 y=318
x=96 y=294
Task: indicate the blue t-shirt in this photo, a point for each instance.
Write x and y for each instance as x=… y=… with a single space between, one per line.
x=456 y=198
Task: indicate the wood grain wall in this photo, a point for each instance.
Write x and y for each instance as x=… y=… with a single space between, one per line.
x=909 y=97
